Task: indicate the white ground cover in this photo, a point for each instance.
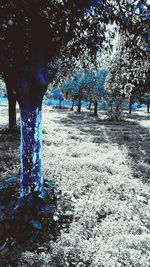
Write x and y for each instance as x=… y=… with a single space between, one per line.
x=143 y=117
x=110 y=208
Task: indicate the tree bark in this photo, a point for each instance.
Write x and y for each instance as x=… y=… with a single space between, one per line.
x=72 y=105
x=95 y=108
x=148 y=111
x=90 y=104
x=30 y=87
x=31 y=178
x=79 y=105
x=130 y=106
x=118 y=111
x=11 y=108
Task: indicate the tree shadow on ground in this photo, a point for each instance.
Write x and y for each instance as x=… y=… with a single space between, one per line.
x=29 y=224
x=9 y=155
x=127 y=133
x=26 y=223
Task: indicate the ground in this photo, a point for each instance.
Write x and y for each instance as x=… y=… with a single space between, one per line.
x=101 y=171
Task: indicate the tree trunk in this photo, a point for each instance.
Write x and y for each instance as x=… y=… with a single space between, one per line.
x=148 y=107
x=31 y=150
x=30 y=88
x=95 y=108
x=90 y=104
x=72 y=105
x=11 y=109
x=130 y=106
x=67 y=93
x=118 y=110
x=79 y=105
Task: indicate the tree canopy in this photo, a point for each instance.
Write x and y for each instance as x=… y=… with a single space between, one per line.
x=38 y=31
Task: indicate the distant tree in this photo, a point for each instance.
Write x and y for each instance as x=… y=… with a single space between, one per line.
x=87 y=85
x=95 y=82
x=127 y=74
x=73 y=88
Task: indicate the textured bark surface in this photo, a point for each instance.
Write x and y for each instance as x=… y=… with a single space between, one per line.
x=130 y=107
x=95 y=108
x=148 y=107
x=31 y=150
x=72 y=105
x=79 y=106
x=90 y=104
x=12 y=113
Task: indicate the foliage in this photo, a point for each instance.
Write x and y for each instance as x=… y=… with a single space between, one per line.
x=127 y=76
x=66 y=27
x=85 y=84
x=67 y=30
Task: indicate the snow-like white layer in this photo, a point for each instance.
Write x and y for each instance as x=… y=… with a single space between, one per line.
x=145 y=124
x=143 y=118
x=111 y=209
x=4 y=115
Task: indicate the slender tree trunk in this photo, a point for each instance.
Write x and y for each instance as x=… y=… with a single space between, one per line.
x=95 y=108
x=118 y=111
x=11 y=109
x=72 y=105
x=130 y=106
x=79 y=105
x=90 y=104
x=148 y=108
x=67 y=93
x=31 y=178
x=110 y=110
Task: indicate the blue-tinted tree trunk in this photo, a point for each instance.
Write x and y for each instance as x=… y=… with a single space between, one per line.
x=31 y=150
x=30 y=87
